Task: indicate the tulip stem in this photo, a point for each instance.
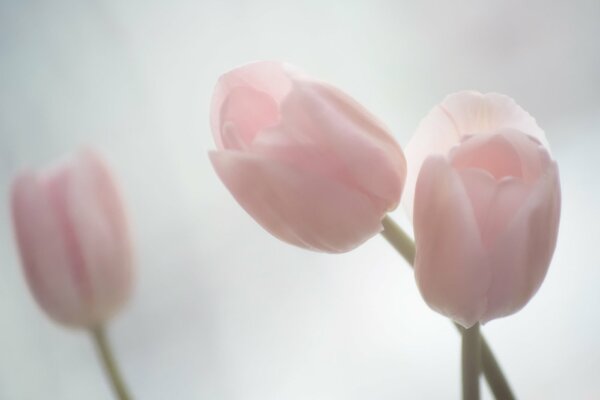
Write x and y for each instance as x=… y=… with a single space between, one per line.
x=491 y=369
x=399 y=240
x=109 y=363
x=471 y=362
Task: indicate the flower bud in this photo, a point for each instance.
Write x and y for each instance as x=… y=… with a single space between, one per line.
x=307 y=162
x=486 y=207
x=73 y=239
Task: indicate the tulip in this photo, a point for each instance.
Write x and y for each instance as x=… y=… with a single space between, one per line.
x=73 y=239
x=306 y=161
x=486 y=207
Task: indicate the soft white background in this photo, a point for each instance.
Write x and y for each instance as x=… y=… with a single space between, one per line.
x=221 y=309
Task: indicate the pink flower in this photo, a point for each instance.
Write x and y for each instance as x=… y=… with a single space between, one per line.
x=306 y=161
x=486 y=207
x=72 y=235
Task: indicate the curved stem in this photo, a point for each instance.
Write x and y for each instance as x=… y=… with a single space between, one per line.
x=109 y=363
x=471 y=356
x=491 y=369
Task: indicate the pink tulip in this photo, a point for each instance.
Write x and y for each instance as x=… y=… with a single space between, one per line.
x=306 y=161
x=72 y=234
x=486 y=207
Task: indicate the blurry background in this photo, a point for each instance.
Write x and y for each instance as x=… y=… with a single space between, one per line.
x=221 y=309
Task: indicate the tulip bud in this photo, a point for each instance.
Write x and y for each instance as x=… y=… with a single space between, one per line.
x=72 y=234
x=307 y=162
x=486 y=207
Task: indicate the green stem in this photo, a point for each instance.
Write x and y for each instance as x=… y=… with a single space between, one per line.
x=491 y=369
x=471 y=356
x=109 y=363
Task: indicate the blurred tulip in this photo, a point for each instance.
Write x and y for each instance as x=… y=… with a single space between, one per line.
x=306 y=161
x=72 y=235
x=486 y=207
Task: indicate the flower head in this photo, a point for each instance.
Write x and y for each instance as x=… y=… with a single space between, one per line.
x=307 y=162
x=486 y=207
x=73 y=238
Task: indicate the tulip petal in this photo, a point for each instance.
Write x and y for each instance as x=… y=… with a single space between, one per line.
x=329 y=217
x=475 y=113
x=435 y=135
x=244 y=114
x=491 y=153
x=98 y=219
x=531 y=237
x=495 y=203
x=318 y=115
x=43 y=251
x=264 y=83
x=451 y=269
x=533 y=156
x=459 y=115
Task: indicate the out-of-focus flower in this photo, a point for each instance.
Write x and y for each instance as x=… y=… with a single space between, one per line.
x=306 y=161
x=486 y=207
x=73 y=238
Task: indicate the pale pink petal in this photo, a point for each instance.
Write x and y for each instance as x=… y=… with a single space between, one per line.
x=494 y=154
x=298 y=207
x=451 y=269
x=462 y=114
x=344 y=133
x=534 y=157
x=495 y=203
x=244 y=114
x=98 y=219
x=307 y=157
x=476 y=113
x=47 y=265
x=265 y=82
x=480 y=188
x=436 y=134
x=521 y=256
